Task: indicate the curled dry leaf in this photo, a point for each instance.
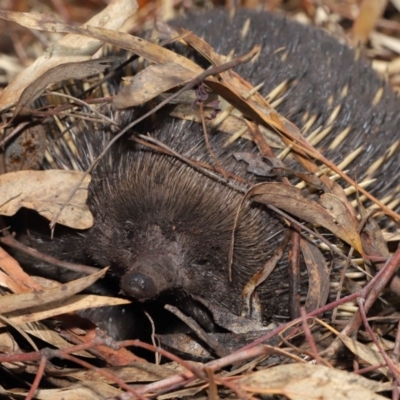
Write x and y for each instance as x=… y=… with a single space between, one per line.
x=332 y=213
x=73 y=70
x=151 y=82
x=7 y=282
x=74 y=303
x=365 y=353
x=251 y=303
x=48 y=335
x=135 y=372
x=72 y=47
x=14 y=302
x=318 y=276
x=14 y=277
x=306 y=381
x=46 y=192
x=39 y=21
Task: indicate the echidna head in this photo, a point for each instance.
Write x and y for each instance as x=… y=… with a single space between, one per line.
x=162 y=227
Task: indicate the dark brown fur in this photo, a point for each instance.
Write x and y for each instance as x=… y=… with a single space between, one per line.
x=166 y=228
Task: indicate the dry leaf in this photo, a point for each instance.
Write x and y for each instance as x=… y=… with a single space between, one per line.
x=50 y=336
x=136 y=372
x=46 y=192
x=318 y=276
x=14 y=302
x=15 y=278
x=151 y=82
x=73 y=303
x=306 y=381
x=371 y=356
x=73 y=70
x=332 y=214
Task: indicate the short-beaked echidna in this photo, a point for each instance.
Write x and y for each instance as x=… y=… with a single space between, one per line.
x=165 y=228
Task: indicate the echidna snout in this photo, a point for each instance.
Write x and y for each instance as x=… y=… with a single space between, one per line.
x=150 y=277
x=138 y=285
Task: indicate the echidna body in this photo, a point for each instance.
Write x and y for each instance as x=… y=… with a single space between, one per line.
x=166 y=228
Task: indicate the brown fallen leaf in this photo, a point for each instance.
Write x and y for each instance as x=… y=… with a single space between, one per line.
x=151 y=82
x=332 y=213
x=23 y=301
x=364 y=352
x=136 y=372
x=72 y=70
x=73 y=303
x=45 y=192
x=14 y=277
x=43 y=332
x=306 y=381
x=318 y=275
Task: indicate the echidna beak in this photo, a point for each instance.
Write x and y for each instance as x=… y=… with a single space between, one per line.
x=138 y=285
x=150 y=276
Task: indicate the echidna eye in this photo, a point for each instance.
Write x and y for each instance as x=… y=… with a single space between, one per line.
x=130 y=234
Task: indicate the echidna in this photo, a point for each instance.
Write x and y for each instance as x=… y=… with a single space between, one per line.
x=166 y=229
